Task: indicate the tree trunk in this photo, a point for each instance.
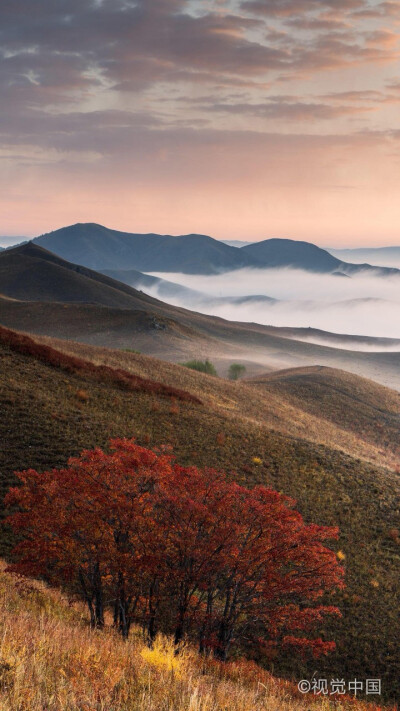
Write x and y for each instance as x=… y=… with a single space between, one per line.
x=224 y=641
x=99 y=604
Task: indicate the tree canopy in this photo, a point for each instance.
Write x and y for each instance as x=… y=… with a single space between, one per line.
x=176 y=549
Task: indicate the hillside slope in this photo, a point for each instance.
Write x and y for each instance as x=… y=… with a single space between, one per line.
x=351 y=403
x=31 y=273
x=50 y=414
x=51 y=660
x=47 y=295
x=371 y=407
x=178 y=334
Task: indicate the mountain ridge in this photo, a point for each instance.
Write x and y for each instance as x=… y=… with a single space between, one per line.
x=43 y=294
x=100 y=248
x=194 y=253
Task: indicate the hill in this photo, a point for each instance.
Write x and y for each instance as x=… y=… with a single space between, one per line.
x=287 y=252
x=347 y=401
x=47 y=295
x=100 y=248
x=380 y=256
x=177 y=335
x=52 y=660
x=257 y=435
x=31 y=273
x=272 y=253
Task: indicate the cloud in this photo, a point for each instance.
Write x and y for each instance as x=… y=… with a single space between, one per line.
x=159 y=97
x=66 y=49
x=364 y=305
x=288 y=8
x=290 y=109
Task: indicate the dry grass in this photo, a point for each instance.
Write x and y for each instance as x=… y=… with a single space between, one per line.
x=21 y=343
x=342 y=411
x=43 y=423
x=51 y=661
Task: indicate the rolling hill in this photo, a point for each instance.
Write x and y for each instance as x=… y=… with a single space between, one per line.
x=356 y=405
x=259 y=433
x=287 y=252
x=44 y=294
x=381 y=256
x=100 y=248
x=274 y=253
x=31 y=273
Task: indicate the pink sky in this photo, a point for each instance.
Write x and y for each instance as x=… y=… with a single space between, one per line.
x=239 y=119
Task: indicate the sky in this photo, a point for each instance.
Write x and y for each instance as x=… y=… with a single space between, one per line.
x=242 y=119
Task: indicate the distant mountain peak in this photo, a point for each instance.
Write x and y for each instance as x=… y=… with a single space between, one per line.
x=100 y=248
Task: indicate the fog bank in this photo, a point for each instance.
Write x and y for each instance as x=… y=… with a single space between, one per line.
x=363 y=305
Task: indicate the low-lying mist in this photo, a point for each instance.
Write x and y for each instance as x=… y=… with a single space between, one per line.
x=362 y=305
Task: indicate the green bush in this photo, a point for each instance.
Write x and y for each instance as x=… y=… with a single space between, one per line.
x=236 y=371
x=203 y=366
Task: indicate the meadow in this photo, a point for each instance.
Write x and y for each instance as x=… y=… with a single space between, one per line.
x=50 y=414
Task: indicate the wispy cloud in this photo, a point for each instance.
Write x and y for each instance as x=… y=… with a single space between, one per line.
x=185 y=88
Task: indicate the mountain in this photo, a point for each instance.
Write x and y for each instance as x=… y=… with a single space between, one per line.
x=235 y=242
x=100 y=248
x=271 y=253
x=31 y=273
x=10 y=241
x=380 y=256
x=260 y=432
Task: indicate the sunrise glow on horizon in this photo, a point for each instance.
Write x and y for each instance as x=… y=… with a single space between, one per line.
x=241 y=119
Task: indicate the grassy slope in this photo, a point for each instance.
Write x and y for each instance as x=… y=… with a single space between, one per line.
x=45 y=420
x=357 y=405
x=328 y=406
x=190 y=335
x=51 y=660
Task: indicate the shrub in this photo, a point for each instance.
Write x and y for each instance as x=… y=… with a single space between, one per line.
x=203 y=366
x=236 y=371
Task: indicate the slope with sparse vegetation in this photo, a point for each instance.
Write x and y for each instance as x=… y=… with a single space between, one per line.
x=50 y=414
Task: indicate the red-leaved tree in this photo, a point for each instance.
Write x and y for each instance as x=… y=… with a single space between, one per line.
x=176 y=549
